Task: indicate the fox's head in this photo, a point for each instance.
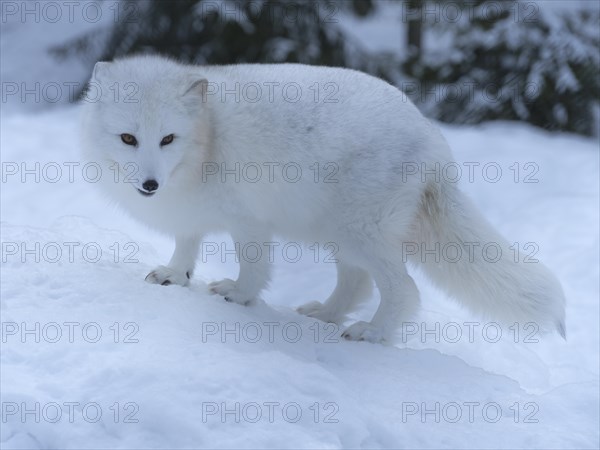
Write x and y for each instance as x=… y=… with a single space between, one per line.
x=144 y=115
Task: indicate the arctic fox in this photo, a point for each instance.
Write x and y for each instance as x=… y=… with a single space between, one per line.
x=188 y=131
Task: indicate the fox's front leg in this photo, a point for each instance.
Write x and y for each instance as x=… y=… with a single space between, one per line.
x=253 y=278
x=181 y=267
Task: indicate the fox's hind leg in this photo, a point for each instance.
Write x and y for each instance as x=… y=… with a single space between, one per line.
x=399 y=294
x=354 y=285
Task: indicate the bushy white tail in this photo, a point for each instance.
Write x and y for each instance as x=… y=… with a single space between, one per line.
x=497 y=287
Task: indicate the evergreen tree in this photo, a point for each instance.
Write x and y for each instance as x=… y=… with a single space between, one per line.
x=512 y=61
x=210 y=32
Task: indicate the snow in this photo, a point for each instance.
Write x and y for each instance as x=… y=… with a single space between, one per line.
x=167 y=355
x=383 y=30
x=32 y=77
x=172 y=364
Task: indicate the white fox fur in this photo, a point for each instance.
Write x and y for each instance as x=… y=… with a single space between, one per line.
x=367 y=128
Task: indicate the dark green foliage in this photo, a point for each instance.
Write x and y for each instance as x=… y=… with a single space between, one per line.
x=513 y=62
x=208 y=32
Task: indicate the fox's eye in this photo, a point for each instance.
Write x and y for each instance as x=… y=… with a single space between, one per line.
x=128 y=139
x=167 y=140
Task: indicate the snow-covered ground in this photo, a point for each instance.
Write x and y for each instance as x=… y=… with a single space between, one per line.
x=94 y=357
x=177 y=368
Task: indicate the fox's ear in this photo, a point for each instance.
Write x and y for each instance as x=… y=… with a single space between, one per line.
x=195 y=86
x=101 y=71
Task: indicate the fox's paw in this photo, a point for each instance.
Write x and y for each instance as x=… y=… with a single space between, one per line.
x=363 y=331
x=228 y=289
x=316 y=310
x=165 y=276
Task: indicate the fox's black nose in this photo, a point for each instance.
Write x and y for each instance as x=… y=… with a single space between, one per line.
x=150 y=185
